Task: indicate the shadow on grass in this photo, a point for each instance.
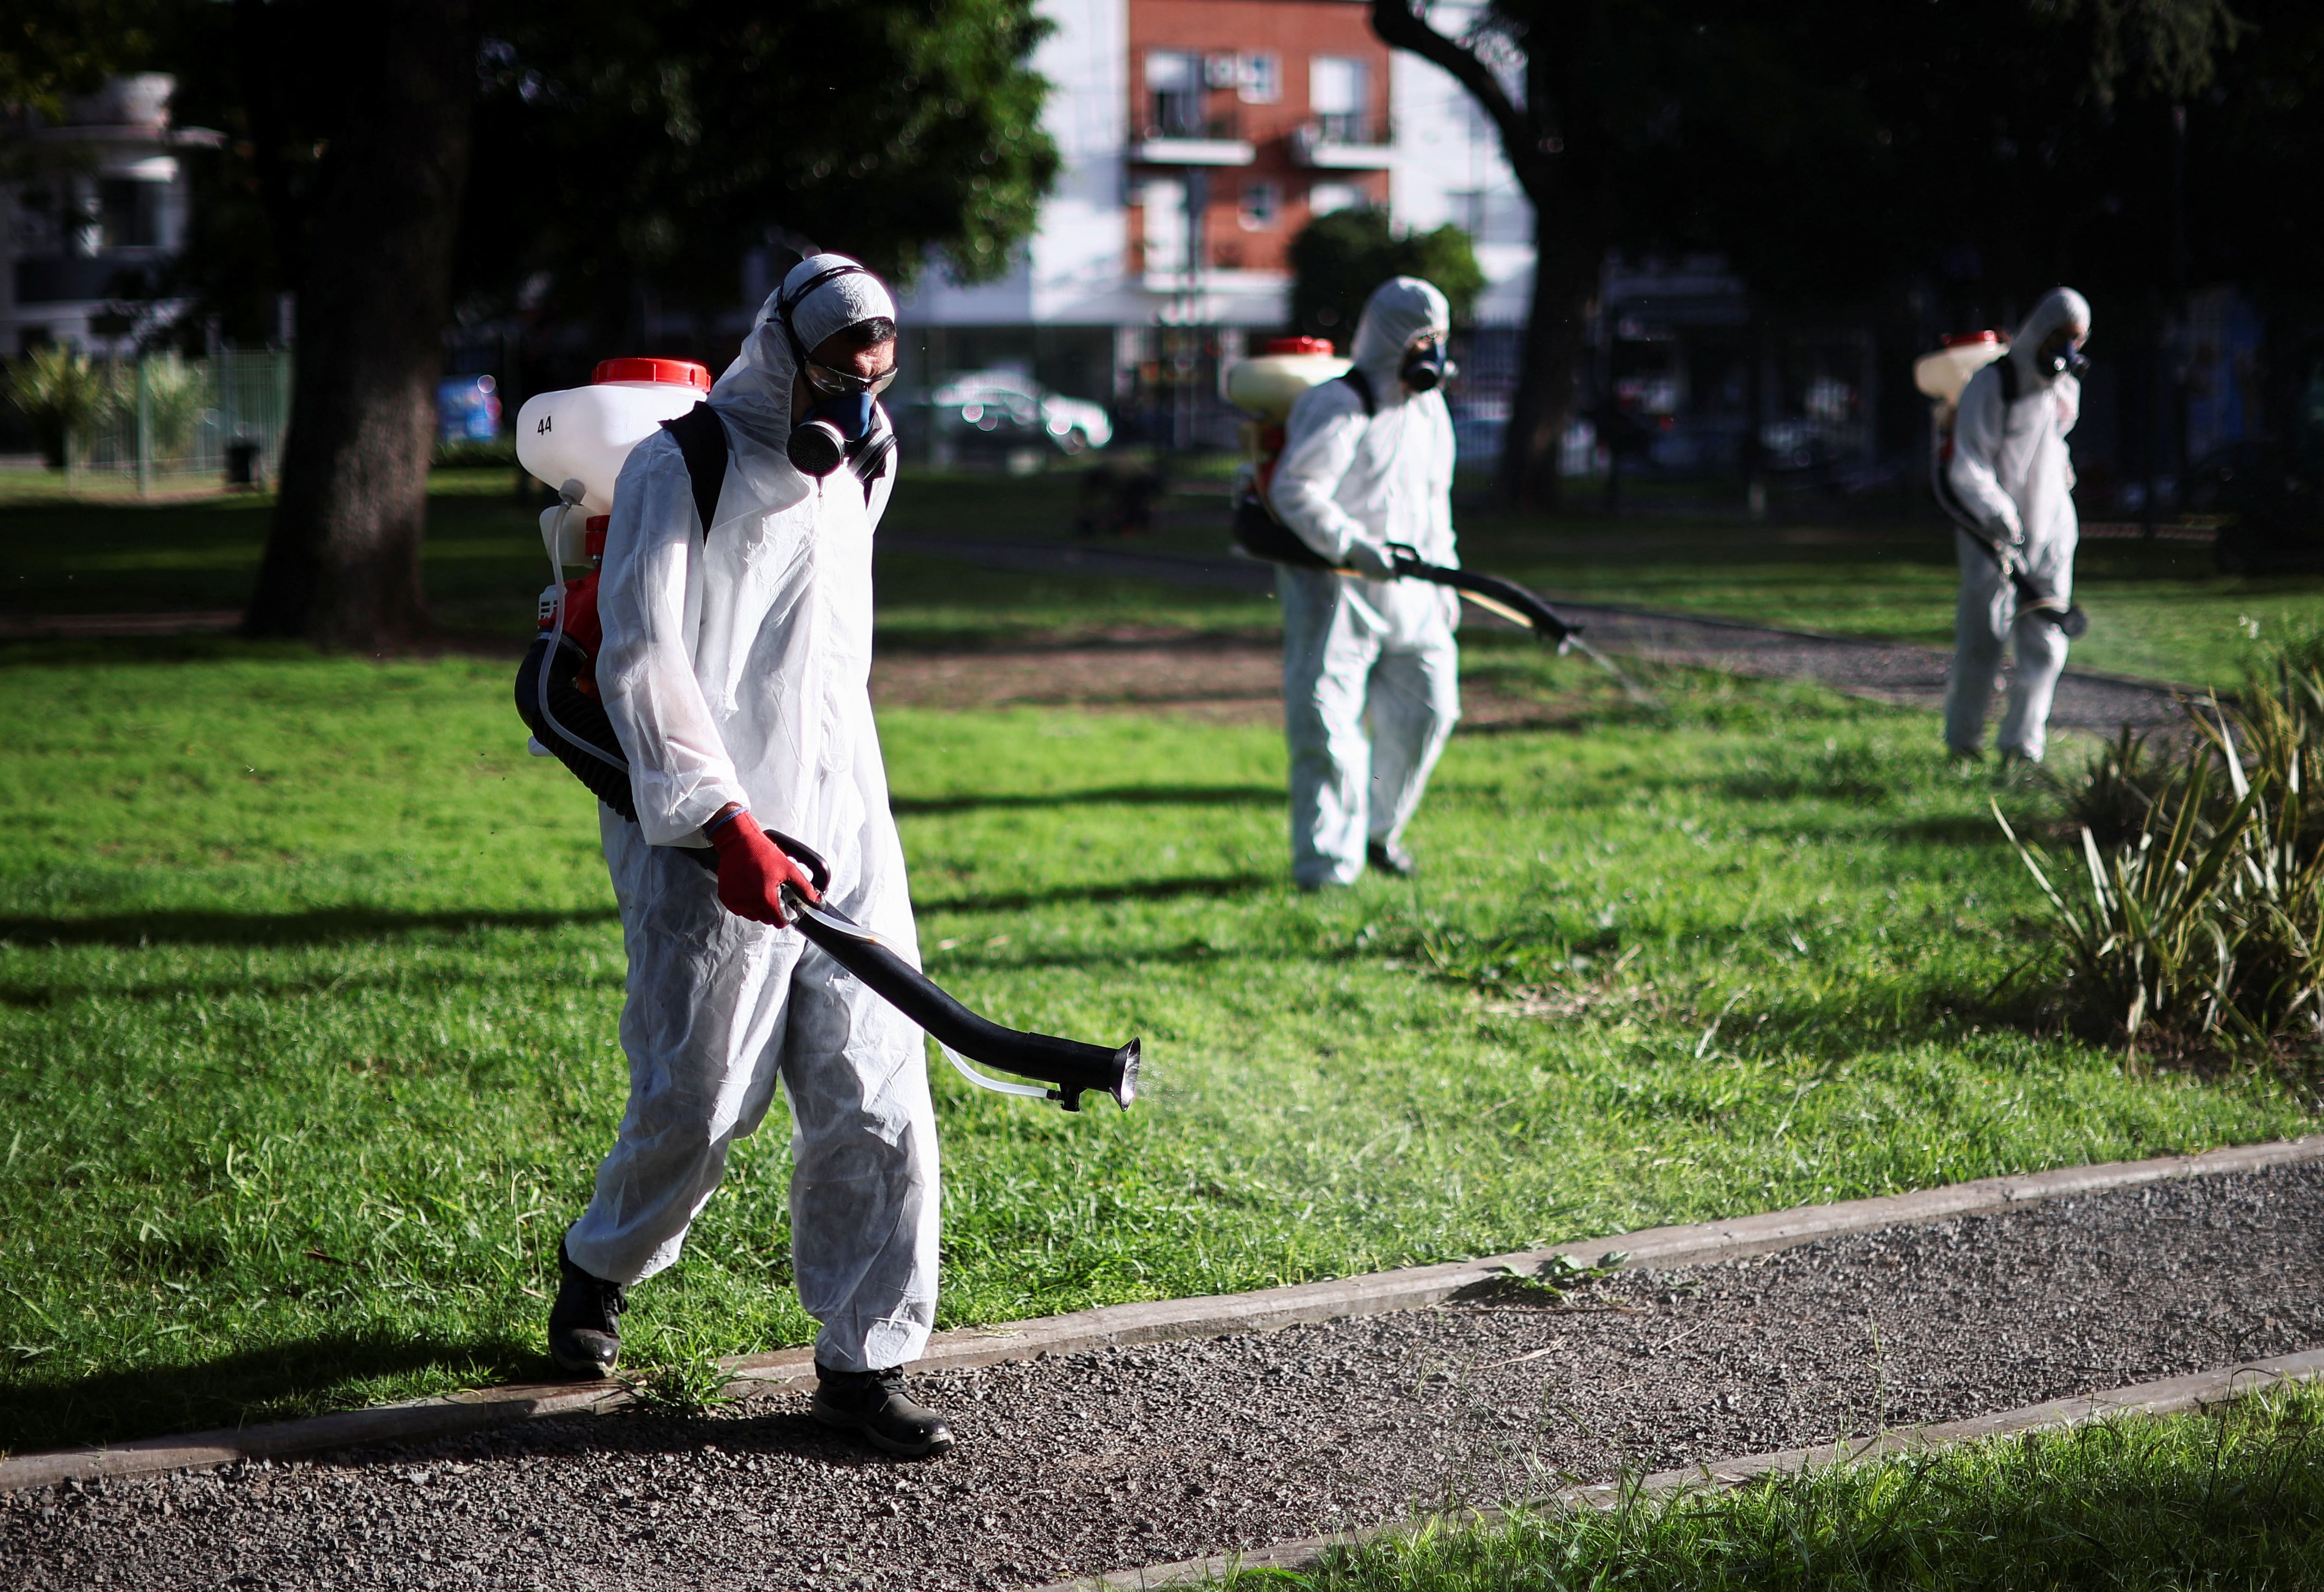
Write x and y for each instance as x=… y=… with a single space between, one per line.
x=323 y=925
x=1151 y=889
x=1128 y=795
x=278 y=1382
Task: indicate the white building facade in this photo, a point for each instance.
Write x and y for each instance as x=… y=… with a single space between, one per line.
x=92 y=209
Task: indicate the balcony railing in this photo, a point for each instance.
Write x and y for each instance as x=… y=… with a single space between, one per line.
x=1179 y=131
x=1187 y=115
x=1349 y=143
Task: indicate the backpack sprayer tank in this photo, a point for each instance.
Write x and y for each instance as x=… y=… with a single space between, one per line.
x=1941 y=376
x=1267 y=387
x=576 y=441
x=584 y=433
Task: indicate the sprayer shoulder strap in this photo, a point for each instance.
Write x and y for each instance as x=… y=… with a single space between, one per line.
x=1355 y=378
x=702 y=441
x=2008 y=379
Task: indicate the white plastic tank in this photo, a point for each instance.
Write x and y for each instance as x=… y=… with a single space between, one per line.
x=584 y=433
x=1266 y=387
x=1941 y=375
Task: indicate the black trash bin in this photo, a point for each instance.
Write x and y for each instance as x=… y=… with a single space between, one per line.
x=242 y=462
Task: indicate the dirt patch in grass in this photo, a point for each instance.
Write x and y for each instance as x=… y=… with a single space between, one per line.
x=1217 y=679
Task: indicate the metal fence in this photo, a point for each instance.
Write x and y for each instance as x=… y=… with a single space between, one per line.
x=173 y=420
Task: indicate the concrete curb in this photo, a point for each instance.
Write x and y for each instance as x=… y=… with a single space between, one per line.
x=790 y=1370
x=2167 y=1397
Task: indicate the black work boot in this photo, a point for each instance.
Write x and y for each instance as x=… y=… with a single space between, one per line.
x=875 y=1402
x=1390 y=858
x=584 y=1324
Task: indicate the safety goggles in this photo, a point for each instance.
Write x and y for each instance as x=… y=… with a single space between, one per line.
x=833 y=383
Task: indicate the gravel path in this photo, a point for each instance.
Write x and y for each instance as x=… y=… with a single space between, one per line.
x=1102 y=1461
x=1886 y=671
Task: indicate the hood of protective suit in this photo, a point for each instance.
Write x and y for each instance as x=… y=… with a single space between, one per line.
x=754 y=395
x=2060 y=307
x=1399 y=309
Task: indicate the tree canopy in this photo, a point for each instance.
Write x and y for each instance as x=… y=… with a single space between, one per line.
x=1337 y=260
x=392 y=163
x=626 y=150
x=1835 y=152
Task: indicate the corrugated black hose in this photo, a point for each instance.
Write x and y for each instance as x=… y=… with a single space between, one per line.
x=1068 y=1066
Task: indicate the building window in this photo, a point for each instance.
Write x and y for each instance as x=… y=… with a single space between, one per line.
x=133 y=212
x=1164 y=224
x=1260 y=80
x=1338 y=97
x=1325 y=198
x=1175 y=88
x=1262 y=205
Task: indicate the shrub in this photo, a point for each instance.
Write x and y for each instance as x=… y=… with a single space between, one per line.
x=1337 y=260
x=2203 y=915
x=64 y=395
x=176 y=393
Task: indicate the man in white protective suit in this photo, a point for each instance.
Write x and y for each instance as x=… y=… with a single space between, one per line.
x=1367 y=461
x=734 y=670
x=2011 y=477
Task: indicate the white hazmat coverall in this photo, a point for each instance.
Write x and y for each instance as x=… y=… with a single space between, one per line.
x=1355 y=649
x=734 y=669
x=2011 y=471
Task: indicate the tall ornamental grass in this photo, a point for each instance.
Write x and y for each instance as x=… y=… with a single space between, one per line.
x=2190 y=911
x=65 y=397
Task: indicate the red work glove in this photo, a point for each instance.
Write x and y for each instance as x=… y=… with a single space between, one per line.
x=753 y=871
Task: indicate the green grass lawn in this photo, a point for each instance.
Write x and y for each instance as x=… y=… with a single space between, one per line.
x=308 y=980
x=2231 y=1498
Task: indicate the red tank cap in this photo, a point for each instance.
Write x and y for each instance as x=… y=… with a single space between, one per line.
x=1299 y=345
x=593 y=535
x=1972 y=339
x=673 y=373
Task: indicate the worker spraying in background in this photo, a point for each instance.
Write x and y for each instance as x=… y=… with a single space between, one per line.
x=2008 y=480
x=1367 y=463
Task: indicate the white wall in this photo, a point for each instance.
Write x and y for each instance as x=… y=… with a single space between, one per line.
x=1449 y=167
x=1074 y=268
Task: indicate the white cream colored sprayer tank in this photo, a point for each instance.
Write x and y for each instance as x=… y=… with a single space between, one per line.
x=1267 y=387
x=1941 y=375
x=583 y=433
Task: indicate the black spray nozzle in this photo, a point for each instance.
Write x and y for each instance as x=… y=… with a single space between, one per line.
x=1070 y=1067
x=1504 y=597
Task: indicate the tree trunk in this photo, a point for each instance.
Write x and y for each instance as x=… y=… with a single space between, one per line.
x=342 y=564
x=1564 y=280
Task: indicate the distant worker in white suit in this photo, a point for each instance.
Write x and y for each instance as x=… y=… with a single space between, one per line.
x=1367 y=461
x=2010 y=477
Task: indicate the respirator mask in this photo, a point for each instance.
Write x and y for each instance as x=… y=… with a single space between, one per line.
x=1426 y=366
x=824 y=438
x=2057 y=358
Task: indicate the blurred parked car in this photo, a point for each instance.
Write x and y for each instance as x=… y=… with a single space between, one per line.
x=1003 y=412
